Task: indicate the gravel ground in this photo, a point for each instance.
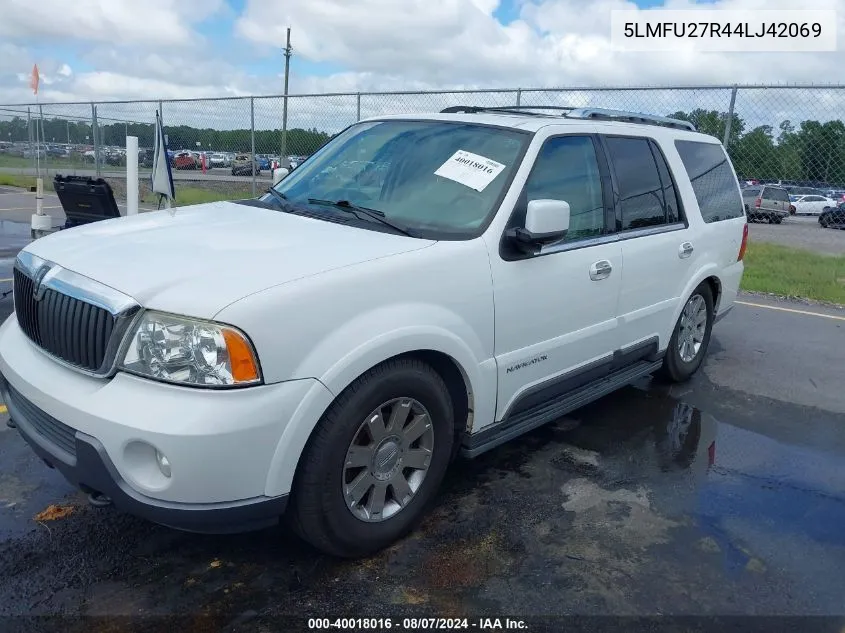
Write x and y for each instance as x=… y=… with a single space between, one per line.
x=800 y=232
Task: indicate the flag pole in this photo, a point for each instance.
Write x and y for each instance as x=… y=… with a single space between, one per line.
x=40 y=223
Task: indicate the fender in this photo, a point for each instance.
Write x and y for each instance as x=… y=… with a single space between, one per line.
x=702 y=273
x=350 y=362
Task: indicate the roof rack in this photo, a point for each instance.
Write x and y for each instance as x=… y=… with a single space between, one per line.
x=600 y=114
x=517 y=109
x=629 y=117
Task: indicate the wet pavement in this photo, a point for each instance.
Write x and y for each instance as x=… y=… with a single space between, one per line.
x=710 y=498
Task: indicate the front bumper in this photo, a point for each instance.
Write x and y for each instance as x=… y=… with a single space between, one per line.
x=229 y=471
x=87 y=466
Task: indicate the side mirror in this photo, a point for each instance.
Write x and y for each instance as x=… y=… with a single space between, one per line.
x=278 y=174
x=546 y=221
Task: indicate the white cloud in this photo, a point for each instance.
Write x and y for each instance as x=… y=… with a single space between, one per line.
x=125 y=51
x=555 y=42
x=152 y=22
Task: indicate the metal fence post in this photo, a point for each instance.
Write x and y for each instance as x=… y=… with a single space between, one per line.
x=43 y=139
x=519 y=96
x=29 y=140
x=252 y=139
x=358 y=99
x=95 y=130
x=730 y=120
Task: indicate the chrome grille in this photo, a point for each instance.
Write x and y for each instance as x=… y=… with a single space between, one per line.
x=78 y=321
x=70 y=329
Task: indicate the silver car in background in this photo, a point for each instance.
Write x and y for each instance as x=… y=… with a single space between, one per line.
x=766 y=203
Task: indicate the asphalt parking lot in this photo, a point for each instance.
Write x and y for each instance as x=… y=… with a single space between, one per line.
x=800 y=232
x=723 y=496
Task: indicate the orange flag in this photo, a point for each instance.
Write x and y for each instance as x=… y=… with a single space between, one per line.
x=33 y=83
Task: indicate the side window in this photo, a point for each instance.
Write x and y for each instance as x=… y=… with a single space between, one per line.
x=567 y=169
x=713 y=182
x=670 y=193
x=640 y=187
x=779 y=194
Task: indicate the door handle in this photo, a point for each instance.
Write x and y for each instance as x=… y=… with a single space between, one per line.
x=600 y=270
x=685 y=250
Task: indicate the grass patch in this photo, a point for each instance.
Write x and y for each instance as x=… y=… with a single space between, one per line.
x=186 y=196
x=792 y=272
x=53 y=162
x=25 y=182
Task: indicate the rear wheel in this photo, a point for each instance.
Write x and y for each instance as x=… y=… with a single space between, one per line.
x=823 y=221
x=689 y=342
x=375 y=460
x=776 y=219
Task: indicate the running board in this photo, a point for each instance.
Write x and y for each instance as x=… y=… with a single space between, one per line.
x=551 y=410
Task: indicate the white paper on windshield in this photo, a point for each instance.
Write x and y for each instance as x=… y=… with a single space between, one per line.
x=470 y=170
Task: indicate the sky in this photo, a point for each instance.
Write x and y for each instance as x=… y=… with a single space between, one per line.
x=101 y=50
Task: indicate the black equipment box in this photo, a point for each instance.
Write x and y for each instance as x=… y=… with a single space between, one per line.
x=85 y=199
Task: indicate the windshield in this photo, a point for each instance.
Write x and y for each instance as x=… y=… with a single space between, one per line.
x=440 y=178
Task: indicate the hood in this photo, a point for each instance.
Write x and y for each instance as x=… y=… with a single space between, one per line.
x=196 y=260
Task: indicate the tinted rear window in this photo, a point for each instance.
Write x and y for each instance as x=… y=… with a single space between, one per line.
x=773 y=193
x=713 y=182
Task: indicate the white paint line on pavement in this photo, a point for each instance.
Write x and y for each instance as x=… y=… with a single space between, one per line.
x=27 y=208
x=793 y=310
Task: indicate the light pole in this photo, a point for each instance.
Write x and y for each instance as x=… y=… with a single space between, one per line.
x=288 y=51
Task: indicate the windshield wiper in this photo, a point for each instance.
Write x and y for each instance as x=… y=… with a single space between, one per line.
x=359 y=211
x=278 y=195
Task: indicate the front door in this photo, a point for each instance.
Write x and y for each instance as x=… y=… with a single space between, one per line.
x=556 y=311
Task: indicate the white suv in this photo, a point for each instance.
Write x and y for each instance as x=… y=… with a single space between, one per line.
x=422 y=286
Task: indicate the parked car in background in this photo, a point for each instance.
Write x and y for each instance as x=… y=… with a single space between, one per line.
x=803 y=191
x=145 y=157
x=245 y=165
x=766 y=203
x=185 y=160
x=218 y=159
x=835 y=194
x=811 y=205
x=833 y=218
x=263 y=162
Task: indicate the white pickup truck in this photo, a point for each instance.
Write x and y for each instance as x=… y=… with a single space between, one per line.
x=421 y=286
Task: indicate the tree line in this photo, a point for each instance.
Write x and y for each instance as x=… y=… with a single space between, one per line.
x=299 y=141
x=807 y=152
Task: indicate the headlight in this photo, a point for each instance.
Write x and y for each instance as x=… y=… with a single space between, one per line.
x=190 y=352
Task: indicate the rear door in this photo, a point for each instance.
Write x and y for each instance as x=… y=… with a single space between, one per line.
x=817 y=204
x=658 y=248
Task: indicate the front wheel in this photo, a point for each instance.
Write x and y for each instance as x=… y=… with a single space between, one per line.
x=688 y=345
x=375 y=461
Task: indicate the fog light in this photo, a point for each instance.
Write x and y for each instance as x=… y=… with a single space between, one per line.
x=163 y=464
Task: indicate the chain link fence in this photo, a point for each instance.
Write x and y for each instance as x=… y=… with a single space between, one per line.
x=793 y=135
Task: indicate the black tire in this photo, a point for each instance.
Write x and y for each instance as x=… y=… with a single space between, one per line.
x=823 y=222
x=318 y=511
x=674 y=368
x=777 y=219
